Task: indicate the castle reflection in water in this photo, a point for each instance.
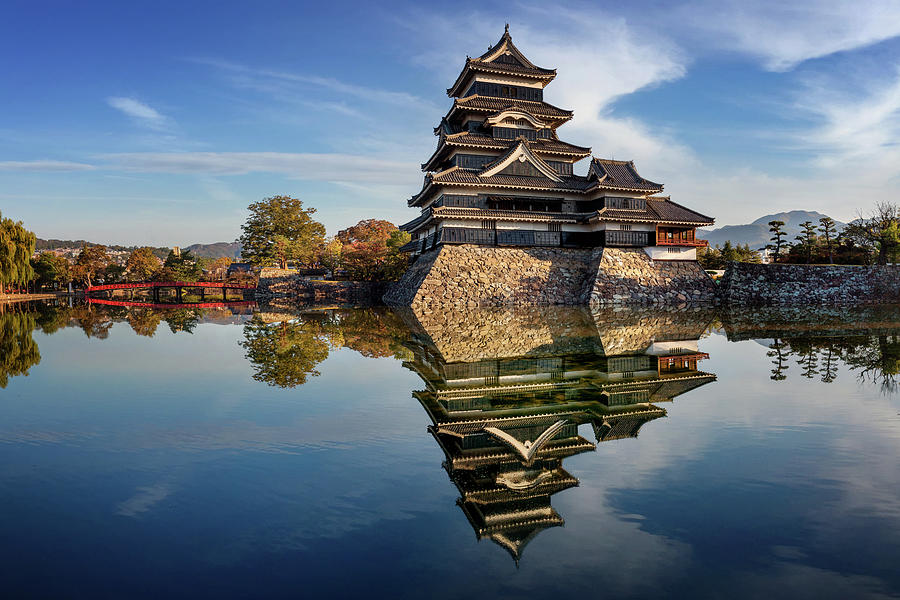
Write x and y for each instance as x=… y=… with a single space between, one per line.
x=508 y=391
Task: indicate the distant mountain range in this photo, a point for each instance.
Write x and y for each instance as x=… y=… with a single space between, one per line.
x=757 y=235
x=215 y=250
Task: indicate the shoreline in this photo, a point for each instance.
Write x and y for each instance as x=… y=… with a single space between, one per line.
x=10 y=298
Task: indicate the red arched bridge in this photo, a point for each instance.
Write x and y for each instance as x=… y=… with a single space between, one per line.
x=178 y=286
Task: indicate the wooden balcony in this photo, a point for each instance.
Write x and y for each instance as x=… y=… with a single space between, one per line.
x=678 y=237
x=662 y=241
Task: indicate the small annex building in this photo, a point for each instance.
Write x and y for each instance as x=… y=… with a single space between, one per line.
x=500 y=193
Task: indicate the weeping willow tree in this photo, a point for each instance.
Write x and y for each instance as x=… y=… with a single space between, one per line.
x=18 y=350
x=16 y=248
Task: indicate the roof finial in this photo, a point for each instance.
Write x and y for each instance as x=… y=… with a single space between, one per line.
x=506 y=31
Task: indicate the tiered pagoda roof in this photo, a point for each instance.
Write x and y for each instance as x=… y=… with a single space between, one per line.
x=479 y=141
x=621 y=175
x=499 y=158
x=490 y=105
x=503 y=58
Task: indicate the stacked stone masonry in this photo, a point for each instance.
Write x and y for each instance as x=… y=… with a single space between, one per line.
x=278 y=283
x=746 y=284
x=489 y=276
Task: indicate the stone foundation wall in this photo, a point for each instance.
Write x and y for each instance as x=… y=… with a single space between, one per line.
x=489 y=276
x=471 y=276
x=627 y=276
x=277 y=283
x=747 y=284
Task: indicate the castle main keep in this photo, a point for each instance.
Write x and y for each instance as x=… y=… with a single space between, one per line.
x=504 y=219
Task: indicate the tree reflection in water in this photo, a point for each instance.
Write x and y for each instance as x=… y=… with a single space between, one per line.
x=866 y=340
x=18 y=350
x=875 y=359
x=284 y=354
x=285 y=347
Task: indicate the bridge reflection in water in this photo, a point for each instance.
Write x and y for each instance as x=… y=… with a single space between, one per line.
x=155 y=287
x=507 y=392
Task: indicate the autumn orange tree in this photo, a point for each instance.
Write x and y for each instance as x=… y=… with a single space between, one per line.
x=91 y=261
x=142 y=264
x=370 y=250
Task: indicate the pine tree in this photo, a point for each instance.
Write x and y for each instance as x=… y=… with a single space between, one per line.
x=778 y=233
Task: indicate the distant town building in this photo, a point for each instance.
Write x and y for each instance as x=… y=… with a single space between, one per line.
x=501 y=176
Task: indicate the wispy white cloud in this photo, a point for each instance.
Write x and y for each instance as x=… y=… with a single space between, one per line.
x=308 y=166
x=143 y=500
x=289 y=85
x=784 y=34
x=44 y=165
x=139 y=112
x=857 y=122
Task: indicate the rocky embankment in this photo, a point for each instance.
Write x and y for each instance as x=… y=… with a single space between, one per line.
x=278 y=283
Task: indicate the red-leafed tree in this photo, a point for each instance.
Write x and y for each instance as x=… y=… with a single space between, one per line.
x=370 y=250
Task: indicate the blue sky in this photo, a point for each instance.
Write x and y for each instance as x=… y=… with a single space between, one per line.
x=159 y=122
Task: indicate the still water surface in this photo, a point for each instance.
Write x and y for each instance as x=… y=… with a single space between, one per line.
x=281 y=453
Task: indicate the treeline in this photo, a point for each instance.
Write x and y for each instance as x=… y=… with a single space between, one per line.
x=54 y=244
x=281 y=354
x=281 y=231
x=872 y=239
x=93 y=264
x=719 y=257
x=16 y=248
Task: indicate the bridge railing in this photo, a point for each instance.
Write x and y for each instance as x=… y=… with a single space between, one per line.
x=171 y=284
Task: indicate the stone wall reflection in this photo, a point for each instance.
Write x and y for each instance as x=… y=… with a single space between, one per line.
x=510 y=391
x=813 y=343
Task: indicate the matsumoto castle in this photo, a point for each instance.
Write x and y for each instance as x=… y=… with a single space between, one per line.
x=501 y=174
x=502 y=179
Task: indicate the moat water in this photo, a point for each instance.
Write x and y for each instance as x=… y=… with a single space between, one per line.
x=271 y=452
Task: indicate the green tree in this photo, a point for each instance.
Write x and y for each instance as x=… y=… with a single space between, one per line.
x=16 y=248
x=280 y=229
x=827 y=228
x=91 y=262
x=50 y=269
x=114 y=273
x=776 y=228
x=881 y=229
x=142 y=264
x=806 y=240
x=331 y=254
x=284 y=354
x=179 y=267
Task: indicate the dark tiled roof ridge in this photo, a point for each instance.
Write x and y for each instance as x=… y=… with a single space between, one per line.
x=465 y=138
x=622 y=174
x=506 y=40
x=509 y=103
x=573 y=183
x=536 y=72
x=612 y=161
x=666 y=200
